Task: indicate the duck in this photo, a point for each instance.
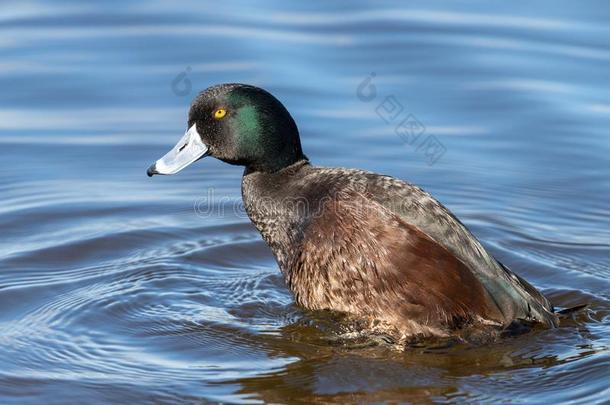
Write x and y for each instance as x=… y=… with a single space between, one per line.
x=371 y=246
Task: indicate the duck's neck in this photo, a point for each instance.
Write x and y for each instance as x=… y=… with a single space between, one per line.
x=274 y=202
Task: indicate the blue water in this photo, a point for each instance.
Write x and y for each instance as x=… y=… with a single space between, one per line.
x=118 y=288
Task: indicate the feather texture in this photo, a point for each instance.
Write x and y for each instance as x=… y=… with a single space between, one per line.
x=381 y=249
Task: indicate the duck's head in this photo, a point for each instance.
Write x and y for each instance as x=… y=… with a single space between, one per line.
x=238 y=124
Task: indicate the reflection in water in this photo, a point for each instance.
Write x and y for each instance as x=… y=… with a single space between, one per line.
x=339 y=374
x=114 y=288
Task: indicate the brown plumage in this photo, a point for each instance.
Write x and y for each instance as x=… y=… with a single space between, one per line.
x=367 y=261
x=343 y=248
x=372 y=246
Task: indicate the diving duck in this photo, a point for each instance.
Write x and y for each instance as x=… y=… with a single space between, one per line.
x=368 y=245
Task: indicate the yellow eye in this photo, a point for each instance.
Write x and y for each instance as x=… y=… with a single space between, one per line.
x=221 y=112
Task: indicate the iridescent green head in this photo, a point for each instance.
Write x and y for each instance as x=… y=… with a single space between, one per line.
x=239 y=124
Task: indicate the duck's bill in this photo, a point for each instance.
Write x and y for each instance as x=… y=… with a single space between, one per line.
x=188 y=149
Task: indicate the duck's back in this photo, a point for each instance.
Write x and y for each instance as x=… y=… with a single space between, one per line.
x=374 y=245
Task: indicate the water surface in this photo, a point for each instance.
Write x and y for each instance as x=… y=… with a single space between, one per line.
x=115 y=287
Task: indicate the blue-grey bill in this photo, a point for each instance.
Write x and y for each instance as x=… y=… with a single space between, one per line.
x=188 y=149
